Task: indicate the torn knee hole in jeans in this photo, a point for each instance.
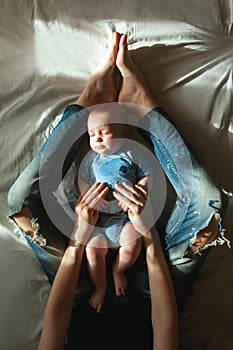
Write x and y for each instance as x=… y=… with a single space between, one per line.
x=37 y=235
x=196 y=248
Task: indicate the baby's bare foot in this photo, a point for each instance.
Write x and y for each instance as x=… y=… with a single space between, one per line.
x=97 y=299
x=120 y=282
x=101 y=87
x=134 y=89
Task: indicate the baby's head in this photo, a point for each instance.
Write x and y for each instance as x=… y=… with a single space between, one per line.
x=106 y=128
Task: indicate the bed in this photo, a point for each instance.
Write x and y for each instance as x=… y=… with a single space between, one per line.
x=48 y=51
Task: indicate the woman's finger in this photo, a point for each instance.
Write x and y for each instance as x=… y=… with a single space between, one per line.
x=125 y=203
x=87 y=193
x=100 y=205
x=122 y=206
x=93 y=192
x=130 y=194
x=129 y=187
x=99 y=198
x=80 y=197
x=142 y=190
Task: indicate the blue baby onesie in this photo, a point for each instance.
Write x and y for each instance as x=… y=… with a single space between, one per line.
x=125 y=165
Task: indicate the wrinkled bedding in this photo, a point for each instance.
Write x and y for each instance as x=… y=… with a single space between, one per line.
x=48 y=49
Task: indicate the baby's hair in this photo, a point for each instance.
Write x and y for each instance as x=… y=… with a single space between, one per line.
x=115 y=114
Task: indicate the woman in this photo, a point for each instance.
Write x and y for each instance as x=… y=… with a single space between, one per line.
x=193 y=226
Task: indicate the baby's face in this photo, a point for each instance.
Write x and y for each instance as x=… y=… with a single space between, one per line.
x=107 y=138
x=106 y=131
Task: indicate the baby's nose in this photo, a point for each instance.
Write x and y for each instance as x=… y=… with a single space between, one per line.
x=98 y=138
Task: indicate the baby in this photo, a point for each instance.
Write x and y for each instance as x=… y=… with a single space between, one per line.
x=111 y=161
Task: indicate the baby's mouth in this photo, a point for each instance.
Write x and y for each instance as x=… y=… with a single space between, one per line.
x=100 y=147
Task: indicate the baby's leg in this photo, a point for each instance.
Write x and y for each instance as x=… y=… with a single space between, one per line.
x=96 y=265
x=128 y=254
x=101 y=88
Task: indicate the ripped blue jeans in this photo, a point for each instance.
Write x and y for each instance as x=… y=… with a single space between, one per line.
x=197 y=198
x=27 y=185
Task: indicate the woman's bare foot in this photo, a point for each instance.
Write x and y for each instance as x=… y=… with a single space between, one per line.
x=205 y=236
x=101 y=87
x=97 y=299
x=134 y=89
x=120 y=282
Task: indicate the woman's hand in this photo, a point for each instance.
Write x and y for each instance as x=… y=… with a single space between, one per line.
x=133 y=201
x=88 y=204
x=87 y=210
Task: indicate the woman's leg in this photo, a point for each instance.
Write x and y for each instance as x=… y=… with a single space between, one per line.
x=134 y=89
x=205 y=237
x=24 y=220
x=101 y=88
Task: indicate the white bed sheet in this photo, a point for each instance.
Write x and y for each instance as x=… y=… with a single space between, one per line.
x=48 y=49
